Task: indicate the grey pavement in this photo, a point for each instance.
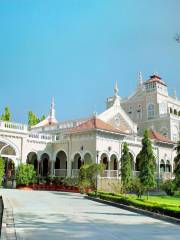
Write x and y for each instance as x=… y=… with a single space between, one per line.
x=57 y=215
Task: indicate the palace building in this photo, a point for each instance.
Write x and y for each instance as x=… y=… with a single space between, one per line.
x=60 y=148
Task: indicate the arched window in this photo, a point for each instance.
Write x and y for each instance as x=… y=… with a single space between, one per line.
x=175 y=131
x=175 y=112
x=171 y=111
x=151 y=111
x=162 y=166
x=168 y=166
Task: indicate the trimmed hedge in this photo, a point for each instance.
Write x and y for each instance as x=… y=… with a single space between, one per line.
x=164 y=209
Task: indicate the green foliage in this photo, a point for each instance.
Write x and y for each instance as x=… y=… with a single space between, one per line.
x=70 y=182
x=117 y=187
x=25 y=174
x=147 y=164
x=43 y=117
x=169 y=187
x=6 y=116
x=33 y=119
x=126 y=168
x=153 y=206
x=177 y=166
x=92 y=172
x=137 y=187
x=2 y=170
x=88 y=175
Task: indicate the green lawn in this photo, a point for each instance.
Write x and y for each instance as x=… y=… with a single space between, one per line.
x=171 y=201
x=163 y=204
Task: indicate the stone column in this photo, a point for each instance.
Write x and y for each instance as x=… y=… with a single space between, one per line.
x=109 y=166
x=38 y=165
x=69 y=168
x=52 y=165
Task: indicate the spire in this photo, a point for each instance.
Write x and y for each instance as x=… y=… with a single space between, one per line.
x=140 y=78
x=116 y=90
x=175 y=94
x=52 y=110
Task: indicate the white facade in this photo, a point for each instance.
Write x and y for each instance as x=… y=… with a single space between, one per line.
x=61 y=148
x=152 y=107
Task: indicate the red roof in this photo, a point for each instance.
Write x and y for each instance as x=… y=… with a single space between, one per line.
x=155 y=78
x=159 y=137
x=96 y=123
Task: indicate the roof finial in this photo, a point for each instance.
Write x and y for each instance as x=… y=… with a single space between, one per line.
x=140 y=78
x=116 y=90
x=155 y=73
x=52 y=109
x=175 y=94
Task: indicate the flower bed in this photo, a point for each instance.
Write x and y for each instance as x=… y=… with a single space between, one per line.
x=46 y=187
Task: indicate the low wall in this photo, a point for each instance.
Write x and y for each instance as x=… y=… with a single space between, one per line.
x=108 y=184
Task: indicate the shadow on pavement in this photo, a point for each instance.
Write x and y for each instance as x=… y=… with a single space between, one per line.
x=71 y=227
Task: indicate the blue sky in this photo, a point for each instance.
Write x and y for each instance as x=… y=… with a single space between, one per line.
x=74 y=50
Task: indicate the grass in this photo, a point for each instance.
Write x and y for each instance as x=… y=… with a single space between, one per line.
x=165 y=205
x=168 y=200
x=173 y=201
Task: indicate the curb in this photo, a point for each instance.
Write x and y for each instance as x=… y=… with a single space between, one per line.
x=8 y=231
x=136 y=210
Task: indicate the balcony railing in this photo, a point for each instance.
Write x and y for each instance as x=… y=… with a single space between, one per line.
x=60 y=172
x=110 y=174
x=163 y=175
x=75 y=172
x=40 y=137
x=13 y=127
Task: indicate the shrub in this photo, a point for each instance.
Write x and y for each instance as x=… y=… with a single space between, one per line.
x=25 y=174
x=117 y=187
x=70 y=182
x=88 y=174
x=156 y=207
x=2 y=170
x=169 y=187
x=84 y=185
x=137 y=187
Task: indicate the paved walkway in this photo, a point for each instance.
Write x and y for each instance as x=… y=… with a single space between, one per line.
x=67 y=216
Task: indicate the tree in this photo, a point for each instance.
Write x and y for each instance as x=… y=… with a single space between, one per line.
x=33 y=119
x=6 y=116
x=2 y=170
x=25 y=174
x=126 y=168
x=43 y=117
x=177 y=166
x=147 y=164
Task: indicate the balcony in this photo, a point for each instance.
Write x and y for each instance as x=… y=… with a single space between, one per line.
x=13 y=127
x=40 y=137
